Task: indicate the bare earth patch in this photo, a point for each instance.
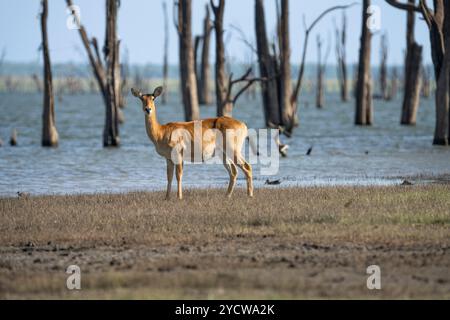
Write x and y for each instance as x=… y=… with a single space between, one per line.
x=284 y=243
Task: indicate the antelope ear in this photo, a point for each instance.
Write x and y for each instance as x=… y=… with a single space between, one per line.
x=157 y=92
x=136 y=93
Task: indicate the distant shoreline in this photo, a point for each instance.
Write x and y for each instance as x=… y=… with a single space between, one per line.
x=280 y=184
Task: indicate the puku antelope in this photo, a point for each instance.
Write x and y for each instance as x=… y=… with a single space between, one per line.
x=173 y=141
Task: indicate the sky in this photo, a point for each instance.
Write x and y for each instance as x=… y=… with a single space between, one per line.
x=141 y=29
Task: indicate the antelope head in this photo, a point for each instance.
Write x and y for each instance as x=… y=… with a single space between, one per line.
x=148 y=100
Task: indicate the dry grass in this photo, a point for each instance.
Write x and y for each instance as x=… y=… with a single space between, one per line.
x=284 y=243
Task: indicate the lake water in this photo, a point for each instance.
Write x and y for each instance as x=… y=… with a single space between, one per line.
x=343 y=154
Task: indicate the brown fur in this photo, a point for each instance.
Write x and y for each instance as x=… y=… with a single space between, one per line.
x=171 y=141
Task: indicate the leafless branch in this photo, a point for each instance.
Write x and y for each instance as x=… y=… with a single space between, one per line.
x=244 y=78
x=308 y=30
x=244 y=39
x=175 y=12
x=404 y=6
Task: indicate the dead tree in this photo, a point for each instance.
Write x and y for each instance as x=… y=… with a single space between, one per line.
x=287 y=105
x=354 y=80
x=426 y=82
x=438 y=22
x=393 y=85
x=308 y=30
x=108 y=80
x=124 y=73
x=280 y=102
x=383 y=76
x=341 y=55
x=188 y=83
x=111 y=54
x=321 y=65
x=204 y=72
x=2 y=58
x=363 y=115
x=246 y=81
x=413 y=63
x=166 y=55
x=49 y=132
x=13 y=138
x=37 y=82
x=224 y=85
x=269 y=88
x=268 y=69
x=222 y=105
x=197 y=41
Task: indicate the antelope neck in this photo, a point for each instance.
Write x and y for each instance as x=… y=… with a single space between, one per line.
x=152 y=126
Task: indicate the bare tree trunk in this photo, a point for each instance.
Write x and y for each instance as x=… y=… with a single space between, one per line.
x=269 y=89
x=355 y=80
x=319 y=84
x=412 y=85
x=111 y=53
x=49 y=132
x=383 y=67
x=426 y=82
x=204 y=94
x=341 y=40
x=106 y=80
x=363 y=115
x=188 y=81
x=37 y=82
x=124 y=74
x=286 y=104
x=119 y=99
x=166 y=55
x=197 y=41
x=413 y=62
x=438 y=22
x=442 y=132
x=394 y=85
x=223 y=108
x=224 y=86
x=2 y=58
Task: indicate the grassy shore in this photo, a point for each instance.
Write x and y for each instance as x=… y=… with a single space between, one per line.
x=284 y=243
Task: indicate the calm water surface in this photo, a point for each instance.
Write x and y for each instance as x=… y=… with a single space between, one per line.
x=343 y=154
